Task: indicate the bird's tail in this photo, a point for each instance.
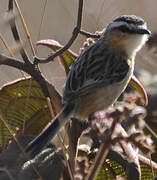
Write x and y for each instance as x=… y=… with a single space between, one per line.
x=35 y=146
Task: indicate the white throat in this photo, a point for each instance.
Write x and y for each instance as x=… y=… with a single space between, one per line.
x=134 y=43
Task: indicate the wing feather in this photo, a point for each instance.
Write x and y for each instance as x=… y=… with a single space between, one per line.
x=97 y=66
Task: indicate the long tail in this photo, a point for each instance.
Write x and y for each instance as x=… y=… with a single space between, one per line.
x=35 y=146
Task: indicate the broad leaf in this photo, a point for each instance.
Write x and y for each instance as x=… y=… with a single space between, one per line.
x=23 y=109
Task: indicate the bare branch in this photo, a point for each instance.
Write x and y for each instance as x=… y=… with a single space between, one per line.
x=104 y=149
x=70 y=42
x=28 y=68
x=25 y=27
x=10 y=52
x=4 y=60
x=88 y=34
x=16 y=34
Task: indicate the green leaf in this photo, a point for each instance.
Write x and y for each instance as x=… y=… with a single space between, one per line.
x=23 y=109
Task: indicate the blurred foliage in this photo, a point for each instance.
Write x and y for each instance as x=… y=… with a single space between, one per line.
x=23 y=109
x=106 y=174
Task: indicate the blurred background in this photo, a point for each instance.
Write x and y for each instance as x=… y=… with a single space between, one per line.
x=56 y=19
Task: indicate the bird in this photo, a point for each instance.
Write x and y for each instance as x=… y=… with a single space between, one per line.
x=98 y=76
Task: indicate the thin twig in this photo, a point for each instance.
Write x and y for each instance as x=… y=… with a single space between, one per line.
x=41 y=21
x=10 y=53
x=50 y=107
x=150 y=130
x=25 y=27
x=153 y=175
x=70 y=42
x=88 y=34
x=61 y=140
x=16 y=34
x=19 y=145
x=66 y=157
x=146 y=161
x=103 y=151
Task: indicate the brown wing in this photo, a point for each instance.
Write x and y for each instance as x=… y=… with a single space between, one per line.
x=96 y=67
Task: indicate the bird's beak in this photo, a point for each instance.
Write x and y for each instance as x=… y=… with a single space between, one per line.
x=135 y=84
x=143 y=31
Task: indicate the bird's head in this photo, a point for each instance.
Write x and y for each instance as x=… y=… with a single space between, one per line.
x=127 y=33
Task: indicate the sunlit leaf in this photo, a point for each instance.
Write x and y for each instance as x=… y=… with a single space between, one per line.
x=105 y=173
x=136 y=85
x=111 y=167
x=23 y=109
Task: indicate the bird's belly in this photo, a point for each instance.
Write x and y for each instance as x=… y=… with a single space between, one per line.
x=100 y=99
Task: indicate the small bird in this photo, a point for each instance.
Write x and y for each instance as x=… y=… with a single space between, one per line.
x=98 y=76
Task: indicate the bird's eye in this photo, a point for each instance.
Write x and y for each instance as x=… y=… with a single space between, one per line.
x=124 y=29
